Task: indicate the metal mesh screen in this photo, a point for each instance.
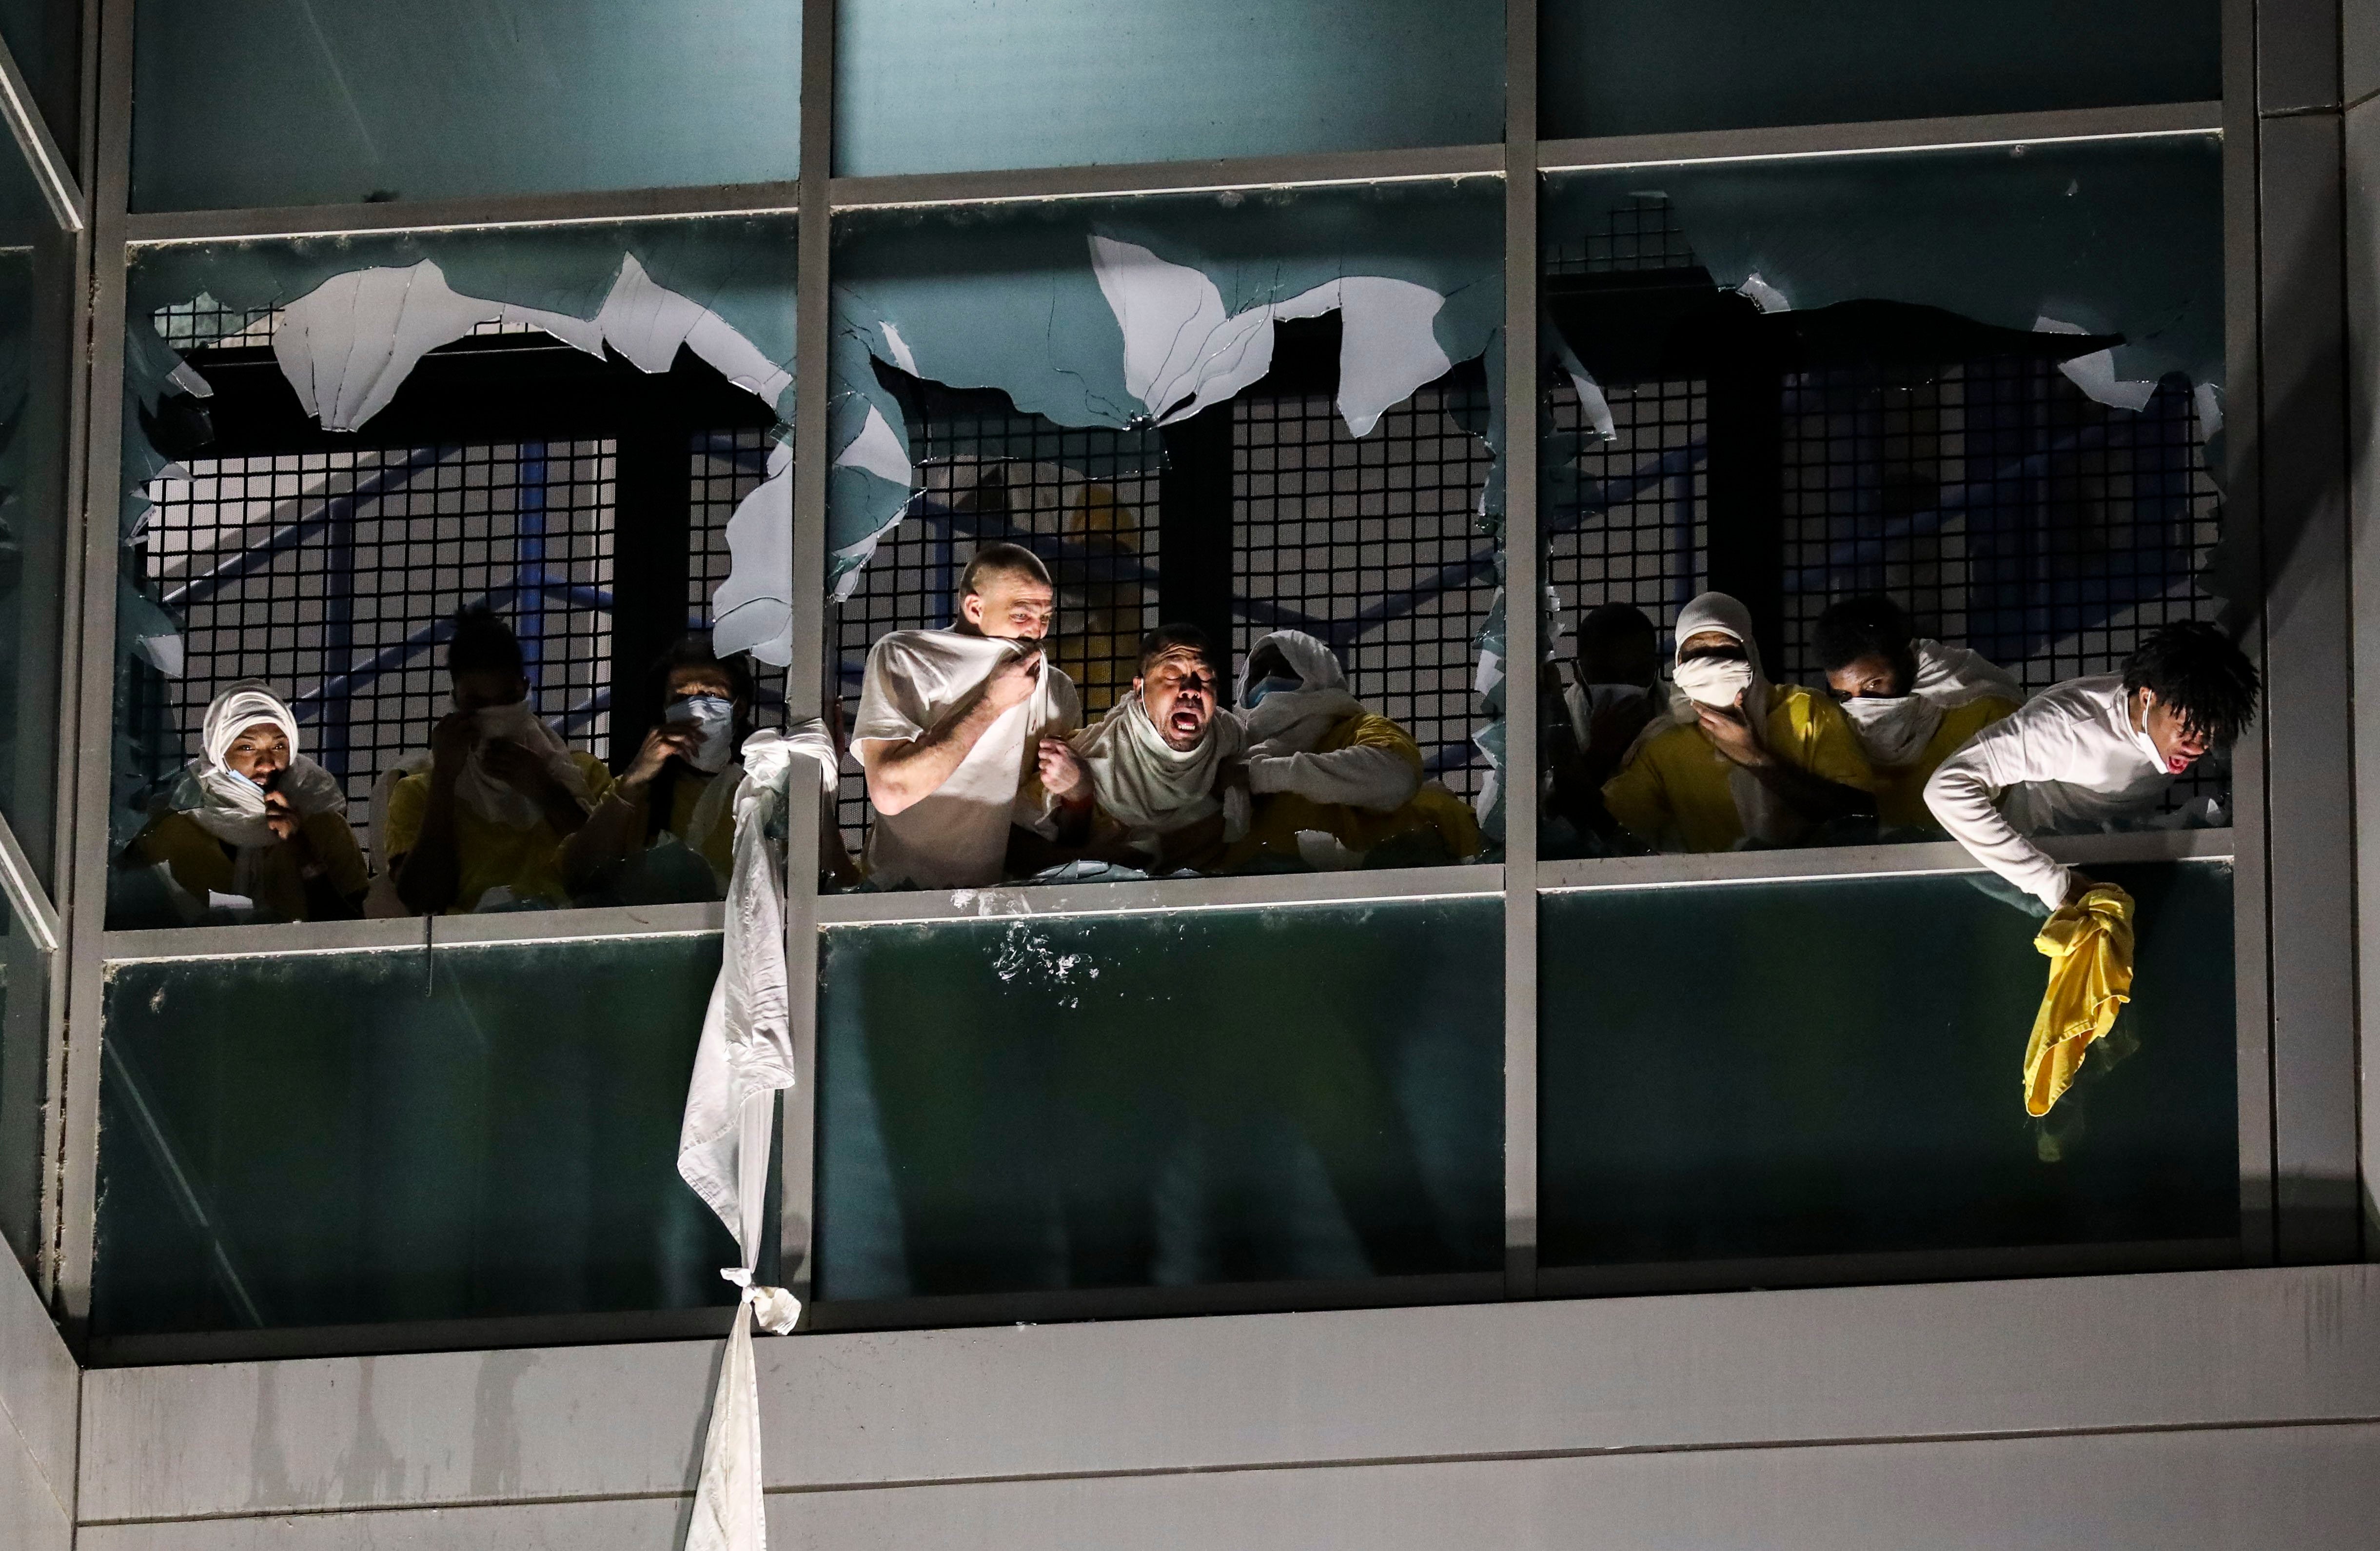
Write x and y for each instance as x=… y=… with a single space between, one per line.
x=726 y=466
x=1632 y=529
x=1085 y=501
x=332 y=575
x=1373 y=545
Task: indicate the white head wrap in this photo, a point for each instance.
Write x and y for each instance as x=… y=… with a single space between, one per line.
x=228 y=805
x=1894 y=729
x=1145 y=784
x=1293 y=721
x=1718 y=682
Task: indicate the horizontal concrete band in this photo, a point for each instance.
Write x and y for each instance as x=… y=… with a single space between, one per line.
x=1394 y=1388
x=2306 y=1488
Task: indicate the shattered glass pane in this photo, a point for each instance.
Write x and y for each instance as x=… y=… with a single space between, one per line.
x=1245 y=412
x=333 y=101
x=957 y=85
x=1982 y=382
x=1088 y=1102
x=319 y=527
x=1648 y=67
x=1849 y=1122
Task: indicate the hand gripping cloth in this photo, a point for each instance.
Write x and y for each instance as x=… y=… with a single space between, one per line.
x=2089 y=945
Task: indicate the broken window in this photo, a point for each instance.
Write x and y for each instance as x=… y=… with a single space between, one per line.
x=938 y=85
x=1646 y=67
x=333 y=446
x=1247 y=413
x=1983 y=383
x=340 y=101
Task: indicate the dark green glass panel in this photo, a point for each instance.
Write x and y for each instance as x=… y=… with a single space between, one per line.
x=24 y=1083
x=1179 y=1100
x=1644 y=67
x=341 y=1139
x=1834 y=1067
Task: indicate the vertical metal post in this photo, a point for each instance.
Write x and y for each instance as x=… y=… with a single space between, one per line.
x=804 y=678
x=528 y=567
x=87 y=693
x=1522 y=600
x=2241 y=514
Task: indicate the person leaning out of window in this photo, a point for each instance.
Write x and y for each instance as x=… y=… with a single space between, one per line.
x=253 y=824
x=479 y=825
x=665 y=830
x=1735 y=760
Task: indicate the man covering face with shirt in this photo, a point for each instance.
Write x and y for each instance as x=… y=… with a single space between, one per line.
x=2089 y=750
x=963 y=733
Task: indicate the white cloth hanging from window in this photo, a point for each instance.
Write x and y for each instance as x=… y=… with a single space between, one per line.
x=745 y=1055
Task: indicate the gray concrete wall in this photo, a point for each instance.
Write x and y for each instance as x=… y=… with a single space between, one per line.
x=38 y=1395
x=2229 y=1409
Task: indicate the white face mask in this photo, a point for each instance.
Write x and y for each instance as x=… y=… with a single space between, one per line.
x=1713 y=680
x=714 y=720
x=1894 y=729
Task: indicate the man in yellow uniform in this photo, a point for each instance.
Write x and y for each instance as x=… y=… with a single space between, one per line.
x=1332 y=784
x=1736 y=759
x=501 y=793
x=1913 y=703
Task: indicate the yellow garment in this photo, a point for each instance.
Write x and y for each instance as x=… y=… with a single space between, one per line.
x=1101 y=650
x=1901 y=789
x=488 y=855
x=718 y=847
x=2090 y=948
x=199 y=863
x=1675 y=795
x=1280 y=815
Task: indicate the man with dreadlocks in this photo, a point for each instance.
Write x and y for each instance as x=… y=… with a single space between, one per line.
x=2089 y=750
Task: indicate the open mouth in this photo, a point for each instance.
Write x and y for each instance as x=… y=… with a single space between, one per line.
x=1184 y=724
x=2176 y=764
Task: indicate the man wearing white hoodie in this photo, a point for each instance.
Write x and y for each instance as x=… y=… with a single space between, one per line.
x=501 y=791
x=1912 y=701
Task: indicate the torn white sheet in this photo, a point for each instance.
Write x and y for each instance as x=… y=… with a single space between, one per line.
x=348 y=344
x=744 y=1057
x=752 y=610
x=877 y=450
x=1591 y=402
x=902 y=356
x=1182 y=352
x=1765 y=296
x=2208 y=398
x=2095 y=373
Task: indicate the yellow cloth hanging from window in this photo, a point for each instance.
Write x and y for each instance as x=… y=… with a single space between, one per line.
x=2090 y=947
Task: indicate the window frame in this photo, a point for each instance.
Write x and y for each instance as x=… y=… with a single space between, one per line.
x=2275 y=912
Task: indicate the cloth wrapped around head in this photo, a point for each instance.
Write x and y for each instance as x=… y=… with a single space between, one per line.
x=1145 y=784
x=1290 y=720
x=1895 y=728
x=229 y=805
x=1718 y=682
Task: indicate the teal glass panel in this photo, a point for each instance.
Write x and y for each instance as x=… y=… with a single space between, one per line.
x=1833 y=1067
x=1180 y=1100
x=963 y=85
x=44 y=38
x=36 y=362
x=1644 y=67
x=24 y=1083
x=357 y=1138
x=330 y=102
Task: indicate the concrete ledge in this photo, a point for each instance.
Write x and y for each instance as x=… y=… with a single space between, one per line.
x=1723 y=1370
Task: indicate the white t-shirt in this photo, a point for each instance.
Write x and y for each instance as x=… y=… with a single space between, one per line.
x=2068 y=761
x=956 y=837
